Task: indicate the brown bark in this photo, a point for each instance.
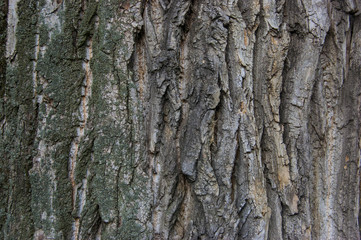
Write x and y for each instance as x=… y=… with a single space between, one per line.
x=165 y=119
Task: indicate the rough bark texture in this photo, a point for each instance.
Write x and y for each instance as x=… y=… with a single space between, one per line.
x=180 y=119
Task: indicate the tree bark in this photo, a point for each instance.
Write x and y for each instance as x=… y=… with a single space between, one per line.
x=180 y=119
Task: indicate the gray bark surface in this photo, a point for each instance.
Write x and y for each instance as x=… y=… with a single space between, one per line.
x=180 y=119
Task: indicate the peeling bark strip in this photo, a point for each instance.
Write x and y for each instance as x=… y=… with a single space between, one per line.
x=83 y=112
x=165 y=119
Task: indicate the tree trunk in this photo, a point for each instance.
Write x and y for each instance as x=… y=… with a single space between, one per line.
x=180 y=119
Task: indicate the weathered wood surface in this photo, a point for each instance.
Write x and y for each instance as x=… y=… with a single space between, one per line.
x=180 y=119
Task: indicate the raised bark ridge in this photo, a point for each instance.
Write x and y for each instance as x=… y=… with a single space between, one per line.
x=165 y=119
